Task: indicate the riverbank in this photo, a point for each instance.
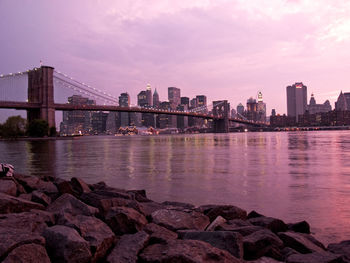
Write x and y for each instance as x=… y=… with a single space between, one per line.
x=48 y=219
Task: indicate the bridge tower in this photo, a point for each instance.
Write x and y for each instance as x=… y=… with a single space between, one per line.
x=221 y=108
x=40 y=90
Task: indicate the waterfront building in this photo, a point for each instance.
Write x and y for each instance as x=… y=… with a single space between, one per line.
x=252 y=109
x=185 y=101
x=313 y=107
x=155 y=99
x=112 y=122
x=202 y=102
x=174 y=97
x=149 y=95
x=142 y=99
x=124 y=117
x=343 y=102
x=193 y=103
x=261 y=108
x=182 y=121
x=296 y=99
x=282 y=121
x=240 y=110
x=273 y=112
x=98 y=122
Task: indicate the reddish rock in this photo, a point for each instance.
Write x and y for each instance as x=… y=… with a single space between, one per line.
x=80 y=186
x=178 y=204
x=67 y=203
x=226 y=211
x=178 y=220
x=28 y=253
x=216 y=223
x=30 y=183
x=64 y=244
x=261 y=243
x=124 y=220
x=65 y=187
x=265 y=260
x=342 y=248
x=243 y=230
x=189 y=251
x=301 y=227
x=8 y=186
x=11 y=204
x=128 y=247
x=253 y=214
x=229 y=241
x=100 y=237
x=41 y=198
x=315 y=257
x=159 y=234
x=27 y=197
x=12 y=238
x=274 y=224
x=150 y=207
x=139 y=195
x=300 y=242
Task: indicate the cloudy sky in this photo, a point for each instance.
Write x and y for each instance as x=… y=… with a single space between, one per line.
x=222 y=49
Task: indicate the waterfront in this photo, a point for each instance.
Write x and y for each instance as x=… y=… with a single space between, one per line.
x=292 y=176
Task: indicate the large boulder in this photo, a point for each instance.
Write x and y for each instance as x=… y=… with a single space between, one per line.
x=100 y=237
x=124 y=220
x=226 y=211
x=301 y=242
x=31 y=183
x=315 y=257
x=243 y=230
x=179 y=220
x=11 y=204
x=13 y=238
x=181 y=205
x=139 y=195
x=229 y=241
x=149 y=207
x=40 y=197
x=216 y=223
x=67 y=203
x=28 y=253
x=128 y=247
x=342 y=248
x=159 y=234
x=8 y=186
x=189 y=251
x=64 y=244
x=274 y=224
x=261 y=243
x=301 y=227
x=79 y=186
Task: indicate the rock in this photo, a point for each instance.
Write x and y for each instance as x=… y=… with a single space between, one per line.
x=226 y=211
x=150 y=207
x=8 y=187
x=113 y=193
x=253 y=214
x=13 y=238
x=104 y=203
x=100 y=237
x=216 y=223
x=299 y=242
x=79 y=186
x=159 y=234
x=229 y=241
x=29 y=183
x=244 y=230
x=265 y=260
x=128 y=247
x=260 y=243
x=139 y=195
x=287 y=251
x=11 y=204
x=67 y=203
x=178 y=220
x=178 y=204
x=27 y=197
x=274 y=224
x=33 y=221
x=315 y=257
x=189 y=251
x=301 y=227
x=65 y=187
x=48 y=188
x=41 y=198
x=234 y=224
x=124 y=220
x=342 y=248
x=64 y=244
x=28 y=253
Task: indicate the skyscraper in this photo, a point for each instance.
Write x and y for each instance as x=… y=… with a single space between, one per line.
x=149 y=95
x=155 y=99
x=124 y=101
x=185 y=101
x=174 y=97
x=252 y=109
x=240 y=110
x=343 y=101
x=296 y=99
x=261 y=108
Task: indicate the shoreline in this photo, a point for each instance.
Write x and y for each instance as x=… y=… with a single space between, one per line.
x=95 y=223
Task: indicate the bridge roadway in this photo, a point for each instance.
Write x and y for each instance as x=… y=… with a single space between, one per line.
x=69 y=107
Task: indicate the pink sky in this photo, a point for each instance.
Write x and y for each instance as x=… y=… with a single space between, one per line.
x=222 y=49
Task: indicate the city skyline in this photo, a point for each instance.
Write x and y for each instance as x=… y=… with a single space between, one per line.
x=224 y=49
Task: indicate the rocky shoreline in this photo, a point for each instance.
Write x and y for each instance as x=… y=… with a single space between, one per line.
x=48 y=219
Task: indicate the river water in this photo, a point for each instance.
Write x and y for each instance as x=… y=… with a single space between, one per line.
x=289 y=175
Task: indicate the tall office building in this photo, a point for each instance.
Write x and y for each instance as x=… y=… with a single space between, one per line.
x=343 y=101
x=155 y=99
x=174 y=97
x=252 y=109
x=261 y=108
x=142 y=99
x=201 y=100
x=185 y=101
x=240 y=110
x=124 y=101
x=149 y=95
x=296 y=100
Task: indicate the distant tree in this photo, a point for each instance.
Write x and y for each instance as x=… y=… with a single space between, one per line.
x=13 y=127
x=38 y=128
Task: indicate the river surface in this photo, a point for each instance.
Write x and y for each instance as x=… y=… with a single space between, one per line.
x=289 y=175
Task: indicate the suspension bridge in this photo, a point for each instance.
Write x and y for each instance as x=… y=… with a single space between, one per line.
x=42 y=91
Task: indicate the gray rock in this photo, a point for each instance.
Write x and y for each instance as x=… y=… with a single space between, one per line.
x=226 y=211
x=28 y=253
x=178 y=220
x=124 y=220
x=159 y=234
x=67 y=203
x=342 y=248
x=11 y=204
x=216 y=223
x=299 y=242
x=8 y=186
x=274 y=224
x=315 y=257
x=189 y=251
x=261 y=243
x=128 y=247
x=64 y=244
x=229 y=241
